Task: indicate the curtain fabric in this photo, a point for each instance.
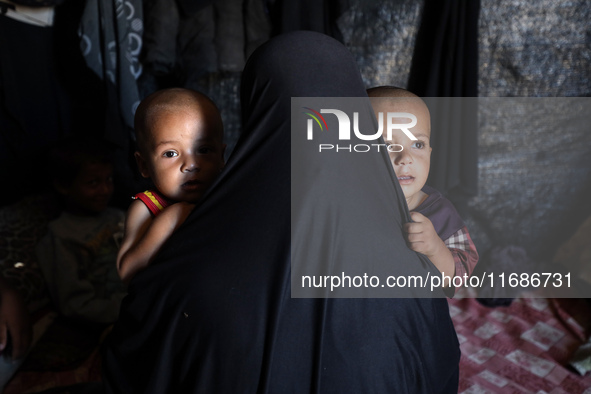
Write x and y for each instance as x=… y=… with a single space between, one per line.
x=445 y=64
x=111 y=42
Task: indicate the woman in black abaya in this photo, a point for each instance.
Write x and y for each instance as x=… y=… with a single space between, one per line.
x=214 y=313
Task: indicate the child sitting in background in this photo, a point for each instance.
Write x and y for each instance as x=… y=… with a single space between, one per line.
x=180 y=148
x=78 y=255
x=436 y=230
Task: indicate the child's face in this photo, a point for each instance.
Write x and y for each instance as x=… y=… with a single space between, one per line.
x=184 y=155
x=412 y=163
x=91 y=190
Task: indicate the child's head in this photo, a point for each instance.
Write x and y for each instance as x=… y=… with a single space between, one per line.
x=180 y=142
x=82 y=172
x=413 y=160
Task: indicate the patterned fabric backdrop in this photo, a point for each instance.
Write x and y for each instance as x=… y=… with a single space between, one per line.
x=111 y=42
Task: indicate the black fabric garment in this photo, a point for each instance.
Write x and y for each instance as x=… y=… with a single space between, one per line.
x=445 y=64
x=214 y=312
x=320 y=16
x=189 y=7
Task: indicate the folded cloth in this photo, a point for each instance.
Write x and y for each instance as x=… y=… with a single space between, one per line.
x=38 y=16
x=581 y=359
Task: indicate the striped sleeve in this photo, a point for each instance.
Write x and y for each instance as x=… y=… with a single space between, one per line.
x=154 y=201
x=463 y=251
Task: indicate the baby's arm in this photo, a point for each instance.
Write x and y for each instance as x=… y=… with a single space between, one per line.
x=422 y=238
x=145 y=235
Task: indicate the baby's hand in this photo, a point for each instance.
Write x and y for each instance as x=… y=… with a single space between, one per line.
x=422 y=237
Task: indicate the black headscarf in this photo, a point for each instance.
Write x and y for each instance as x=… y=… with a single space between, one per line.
x=214 y=313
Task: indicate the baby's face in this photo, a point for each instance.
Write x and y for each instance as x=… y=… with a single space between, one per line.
x=185 y=154
x=412 y=163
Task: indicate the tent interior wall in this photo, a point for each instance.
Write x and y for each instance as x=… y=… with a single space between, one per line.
x=539 y=49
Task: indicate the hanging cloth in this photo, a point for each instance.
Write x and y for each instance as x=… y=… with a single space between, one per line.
x=445 y=64
x=315 y=15
x=111 y=42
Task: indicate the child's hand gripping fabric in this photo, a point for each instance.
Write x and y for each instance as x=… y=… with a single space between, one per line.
x=436 y=230
x=422 y=238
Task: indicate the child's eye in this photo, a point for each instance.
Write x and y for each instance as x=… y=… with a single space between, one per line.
x=170 y=153
x=418 y=145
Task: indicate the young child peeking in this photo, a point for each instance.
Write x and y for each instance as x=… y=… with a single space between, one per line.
x=77 y=255
x=436 y=230
x=180 y=148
